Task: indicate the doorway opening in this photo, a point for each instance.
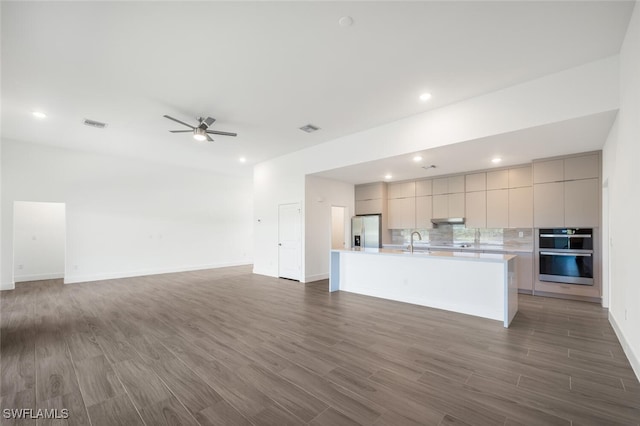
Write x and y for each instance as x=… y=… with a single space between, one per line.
x=39 y=240
x=289 y=241
x=338 y=236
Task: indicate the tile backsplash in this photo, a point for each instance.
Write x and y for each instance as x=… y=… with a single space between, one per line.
x=457 y=234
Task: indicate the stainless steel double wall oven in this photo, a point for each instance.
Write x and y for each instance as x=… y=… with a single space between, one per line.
x=566 y=255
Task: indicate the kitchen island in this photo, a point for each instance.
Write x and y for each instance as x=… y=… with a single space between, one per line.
x=484 y=285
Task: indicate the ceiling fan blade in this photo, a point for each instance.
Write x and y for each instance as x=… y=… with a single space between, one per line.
x=209 y=138
x=209 y=121
x=181 y=131
x=178 y=121
x=215 y=132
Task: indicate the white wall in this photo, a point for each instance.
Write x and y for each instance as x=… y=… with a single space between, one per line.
x=128 y=217
x=621 y=155
x=585 y=90
x=38 y=241
x=320 y=195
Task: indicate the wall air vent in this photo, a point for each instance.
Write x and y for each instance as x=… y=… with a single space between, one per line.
x=309 y=128
x=93 y=123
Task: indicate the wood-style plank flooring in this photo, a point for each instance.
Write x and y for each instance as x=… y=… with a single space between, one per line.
x=226 y=347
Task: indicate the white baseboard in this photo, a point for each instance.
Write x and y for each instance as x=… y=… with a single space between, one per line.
x=7 y=286
x=71 y=279
x=38 y=277
x=633 y=358
x=317 y=277
x=265 y=272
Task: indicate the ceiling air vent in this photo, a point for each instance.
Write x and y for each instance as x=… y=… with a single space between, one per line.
x=309 y=128
x=93 y=123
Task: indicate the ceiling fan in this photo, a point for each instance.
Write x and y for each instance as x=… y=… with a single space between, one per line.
x=200 y=132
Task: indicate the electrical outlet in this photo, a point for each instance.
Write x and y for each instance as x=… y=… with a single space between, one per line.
x=20 y=266
x=521 y=234
x=625 y=314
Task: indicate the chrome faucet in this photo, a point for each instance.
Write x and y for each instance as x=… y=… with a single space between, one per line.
x=412 y=234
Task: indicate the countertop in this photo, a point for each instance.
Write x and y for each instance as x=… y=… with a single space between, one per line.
x=456 y=255
x=510 y=248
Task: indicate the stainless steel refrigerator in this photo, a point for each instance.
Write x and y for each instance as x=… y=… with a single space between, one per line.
x=366 y=231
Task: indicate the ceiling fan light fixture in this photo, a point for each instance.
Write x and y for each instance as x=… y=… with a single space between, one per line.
x=199 y=134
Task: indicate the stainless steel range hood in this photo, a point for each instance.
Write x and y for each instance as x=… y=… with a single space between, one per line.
x=448 y=221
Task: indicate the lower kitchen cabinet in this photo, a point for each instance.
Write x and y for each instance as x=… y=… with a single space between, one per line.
x=402 y=213
x=524 y=268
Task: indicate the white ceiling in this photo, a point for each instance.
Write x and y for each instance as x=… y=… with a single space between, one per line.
x=263 y=69
x=568 y=137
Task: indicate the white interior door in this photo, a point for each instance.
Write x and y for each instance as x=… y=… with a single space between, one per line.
x=289 y=241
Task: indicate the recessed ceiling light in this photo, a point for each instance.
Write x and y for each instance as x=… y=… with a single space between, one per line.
x=242 y=160
x=345 y=21
x=496 y=160
x=39 y=114
x=388 y=176
x=417 y=158
x=425 y=97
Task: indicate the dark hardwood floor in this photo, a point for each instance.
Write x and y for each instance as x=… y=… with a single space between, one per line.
x=226 y=347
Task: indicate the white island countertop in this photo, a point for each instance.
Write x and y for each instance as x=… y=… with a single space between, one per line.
x=480 y=284
x=466 y=255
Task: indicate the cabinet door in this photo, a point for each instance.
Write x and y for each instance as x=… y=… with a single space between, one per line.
x=456 y=205
x=369 y=206
x=548 y=205
x=476 y=209
x=498 y=208
x=525 y=271
x=423 y=187
x=456 y=184
x=521 y=207
x=401 y=190
x=520 y=177
x=548 y=171
x=582 y=167
x=440 y=206
x=475 y=182
x=440 y=186
x=498 y=179
x=424 y=206
x=402 y=213
x=582 y=203
x=369 y=191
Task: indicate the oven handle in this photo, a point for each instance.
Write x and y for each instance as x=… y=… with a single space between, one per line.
x=565 y=236
x=554 y=253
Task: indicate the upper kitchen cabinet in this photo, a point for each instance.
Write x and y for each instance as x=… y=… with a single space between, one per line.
x=582 y=167
x=548 y=205
x=520 y=177
x=476 y=209
x=476 y=182
x=521 y=207
x=548 y=171
x=498 y=179
x=423 y=187
x=450 y=185
x=402 y=213
x=582 y=203
x=401 y=190
x=424 y=209
x=498 y=208
x=371 y=198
